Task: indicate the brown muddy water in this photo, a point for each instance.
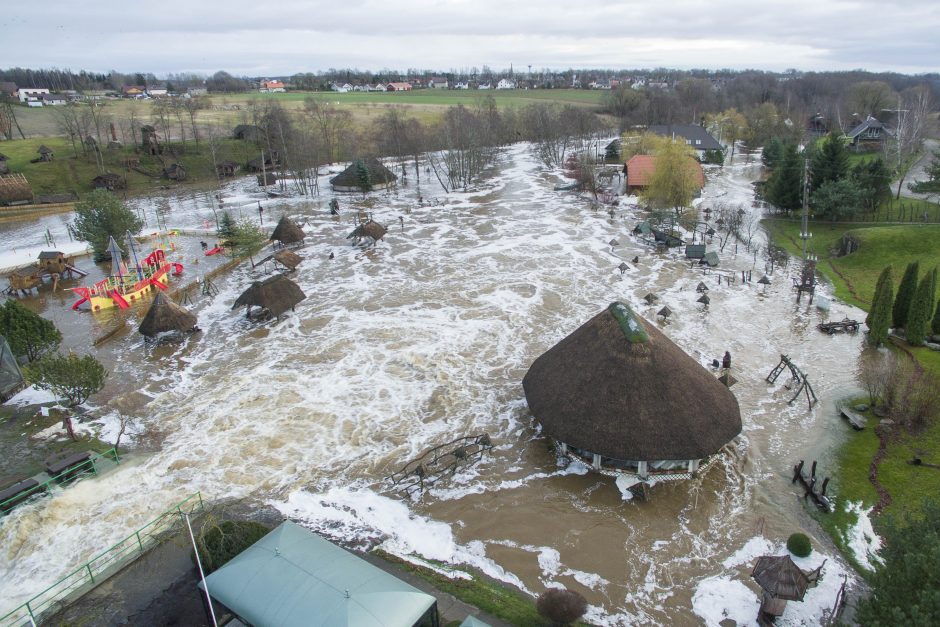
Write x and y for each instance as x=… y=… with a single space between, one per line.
x=426 y=338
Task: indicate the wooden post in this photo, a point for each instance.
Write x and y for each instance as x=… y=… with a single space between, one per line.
x=797 y=471
x=824 y=485
x=812 y=472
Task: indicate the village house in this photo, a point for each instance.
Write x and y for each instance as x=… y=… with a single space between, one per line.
x=506 y=83
x=53 y=99
x=640 y=169
x=379 y=87
x=868 y=135
x=8 y=89
x=133 y=91
x=157 y=91
x=398 y=87
x=341 y=88
x=484 y=86
x=196 y=91
x=693 y=135
x=461 y=85
x=272 y=86
x=438 y=82
x=27 y=94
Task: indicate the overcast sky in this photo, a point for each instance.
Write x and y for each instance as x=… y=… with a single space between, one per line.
x=249 y=37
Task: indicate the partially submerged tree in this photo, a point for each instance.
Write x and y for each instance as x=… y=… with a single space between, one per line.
x=675 y=179
x=247 y=239
x=29 y=335
x=100 y=215
x=71 y=378
x=560 y=606
x=875 y=372
x=879 y=317
x=784 y=188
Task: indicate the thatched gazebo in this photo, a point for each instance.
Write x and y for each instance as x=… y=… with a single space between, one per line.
x=620 y=396
x=45 y=153
x=109 y=181
x=368 y=229
x=377 y=176
x=288 y=259
x=165 y=316
x=276 y=294
x=287 y=232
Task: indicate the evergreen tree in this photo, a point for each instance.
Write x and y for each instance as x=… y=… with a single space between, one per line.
x=935 y=323
x=872 y=179
x=905 y=586
x=879 y=317
x=784 y=188
x=837 y=200
x=226 y=229
x=921 y=308
x=100 y=215
x=830 y=162
x=902 y=302
x=29 y=335
x=362 y=177
x=772 y=154
x=72 y=379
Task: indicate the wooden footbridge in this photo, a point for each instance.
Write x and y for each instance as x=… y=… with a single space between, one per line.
x=438 y=463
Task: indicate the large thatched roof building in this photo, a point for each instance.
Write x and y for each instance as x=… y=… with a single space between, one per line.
x=165 y=316
x=370 y=231
x=277 y=294
x=287 y=232
x=621 y=396
x=363 y=172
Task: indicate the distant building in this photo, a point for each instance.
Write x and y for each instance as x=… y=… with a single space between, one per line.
x=270 y=87
x=25 y=94
x=398 y=87
x=8 y=89
x=506 y=83
x=438 y=82
x=868 y=134
x=53 y=99
x=461 y=85
x=197 y=91
x=157 y=92
x=484 y=86
x=132 y=91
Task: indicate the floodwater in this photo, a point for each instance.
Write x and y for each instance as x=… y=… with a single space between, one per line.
x=426 y=338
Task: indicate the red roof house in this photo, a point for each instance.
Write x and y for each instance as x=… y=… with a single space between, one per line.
x=640 y=170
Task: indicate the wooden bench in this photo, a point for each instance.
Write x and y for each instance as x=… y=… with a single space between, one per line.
x=67 y=465
x=13 y=495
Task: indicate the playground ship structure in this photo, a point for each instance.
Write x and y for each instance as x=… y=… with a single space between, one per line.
x=126 y=286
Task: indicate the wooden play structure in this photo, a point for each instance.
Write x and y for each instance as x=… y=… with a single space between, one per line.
x=799 y=379
x=52 y=264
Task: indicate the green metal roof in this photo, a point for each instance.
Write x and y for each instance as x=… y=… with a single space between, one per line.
x=292 y=577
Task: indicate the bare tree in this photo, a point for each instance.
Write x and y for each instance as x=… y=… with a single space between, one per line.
x=875 y=370
x=332 y=123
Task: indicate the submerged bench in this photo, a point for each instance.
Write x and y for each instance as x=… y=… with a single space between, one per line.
x=75 y=462
x=13 y=495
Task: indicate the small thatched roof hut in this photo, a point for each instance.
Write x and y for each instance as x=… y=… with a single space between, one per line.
x=277 y=294
x=370 y=228
x=14 y=188
x=350 y=179
x=288 y=259
x=287 y=232
x=620 y=395
x=175 y=172
x=165 y=316
x=109 y=181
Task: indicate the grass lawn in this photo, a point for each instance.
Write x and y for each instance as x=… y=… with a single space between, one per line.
x=501 y=601
x=69 y=172
x=854 y=276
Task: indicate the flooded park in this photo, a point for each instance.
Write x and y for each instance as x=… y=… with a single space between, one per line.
x=425 y=338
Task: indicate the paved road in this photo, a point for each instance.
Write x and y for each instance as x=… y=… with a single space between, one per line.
x=918 y=173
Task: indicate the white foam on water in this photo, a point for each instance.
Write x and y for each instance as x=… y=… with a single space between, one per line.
x=417 y=341
x=720 y=597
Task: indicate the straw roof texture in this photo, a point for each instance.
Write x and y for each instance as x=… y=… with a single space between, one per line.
x=287 y=232
x=379 y=175
x=619 y=387
x=164 y=315
x=288 y=259
x=277 y=294
x=371 y=228
x=780 y=577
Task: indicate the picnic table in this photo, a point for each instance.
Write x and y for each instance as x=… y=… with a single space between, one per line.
x=62 y=464
x=13 y=495
x=844 y=325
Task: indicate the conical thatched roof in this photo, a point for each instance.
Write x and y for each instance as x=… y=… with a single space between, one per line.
x=164 y=315
x=764 y=280
x=665 y=312
x=288 y=259
x=704 y=299
x=371 y=228
x=287 y=232
x=618 y=387
x=349 y=179
x=43 y=149
x=701 y=287
x=780 y=577
x=277 y=294
x=651 y=298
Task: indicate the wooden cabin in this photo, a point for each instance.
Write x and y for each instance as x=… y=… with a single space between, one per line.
x=227 y=168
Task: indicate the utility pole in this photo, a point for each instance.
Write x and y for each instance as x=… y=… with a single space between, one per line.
x=804 y=229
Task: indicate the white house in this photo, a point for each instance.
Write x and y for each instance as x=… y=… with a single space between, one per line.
x=379 y=87
x=461 y=85
x=53 y=99
x=26 y=94
x=505 y=83
x=344 y=88
x=156 y=92
x=484 y=86
x=438 y=82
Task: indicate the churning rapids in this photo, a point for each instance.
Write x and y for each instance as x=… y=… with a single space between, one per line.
x=426 y=337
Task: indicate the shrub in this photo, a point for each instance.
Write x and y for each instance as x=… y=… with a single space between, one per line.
x=561 y=606
x=219 y=542
x=799 y=545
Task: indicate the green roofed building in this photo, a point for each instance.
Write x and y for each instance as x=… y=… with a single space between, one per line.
x=294 y=578
x=621 y=397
